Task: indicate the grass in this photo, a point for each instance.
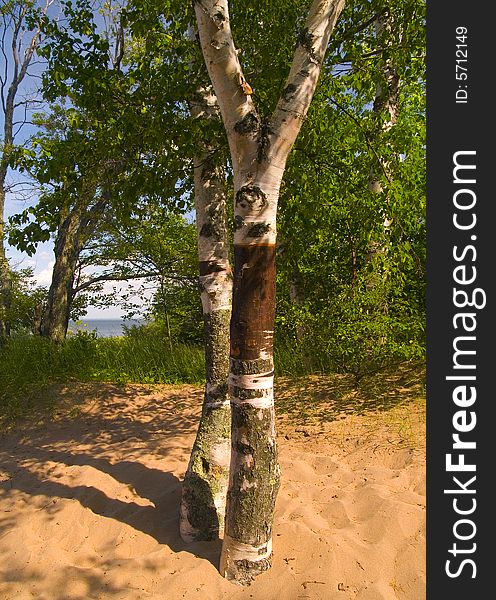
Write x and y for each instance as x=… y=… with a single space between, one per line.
x=30 y=365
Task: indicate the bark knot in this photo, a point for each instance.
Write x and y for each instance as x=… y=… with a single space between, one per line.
x=250 y=123
x=208 y=230
x=289 y=91
x=251 y=198
x=264 y=141
x=258 y=230
x=238 y=222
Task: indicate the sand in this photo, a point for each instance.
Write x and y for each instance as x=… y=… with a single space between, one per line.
x=89 y=502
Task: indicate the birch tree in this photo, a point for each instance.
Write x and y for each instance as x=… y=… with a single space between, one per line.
x=205 y=484
x=259 y=151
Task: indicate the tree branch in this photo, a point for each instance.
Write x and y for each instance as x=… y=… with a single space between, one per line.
x=233 y=92
x=302 y=80
x=112 y=277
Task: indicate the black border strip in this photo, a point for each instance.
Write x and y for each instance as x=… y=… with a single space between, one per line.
x=460 y=127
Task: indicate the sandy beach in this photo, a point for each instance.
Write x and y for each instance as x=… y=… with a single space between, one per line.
x=89 y=499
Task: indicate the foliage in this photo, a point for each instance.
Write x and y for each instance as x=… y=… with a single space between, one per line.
x=27 y=300
x=30 y=363
x=119 y=120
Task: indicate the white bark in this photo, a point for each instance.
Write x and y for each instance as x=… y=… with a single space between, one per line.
x=259 y=155
x=204 y=490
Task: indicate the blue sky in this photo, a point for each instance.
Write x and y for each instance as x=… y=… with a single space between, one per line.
x=17 y=200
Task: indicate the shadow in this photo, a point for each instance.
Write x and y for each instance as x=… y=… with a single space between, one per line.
x=134 y=422
x=115 y=415
x=160 y=521
x=330 y=397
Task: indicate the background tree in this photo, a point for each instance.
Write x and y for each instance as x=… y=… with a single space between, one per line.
x=99 y=147
x=20 y=28
x=328 y=217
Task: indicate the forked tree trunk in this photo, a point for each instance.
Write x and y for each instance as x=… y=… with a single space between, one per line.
x=203 y=500
x=259 y=153
x=78 y=223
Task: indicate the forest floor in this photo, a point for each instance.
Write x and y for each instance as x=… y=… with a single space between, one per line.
x=89 y=494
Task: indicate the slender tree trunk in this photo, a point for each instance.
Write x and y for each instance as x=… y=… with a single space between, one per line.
x=5 y=274
x=20 y=60
x=386 y=108
x=5 y=277
x=205 y=484
x=259 y=152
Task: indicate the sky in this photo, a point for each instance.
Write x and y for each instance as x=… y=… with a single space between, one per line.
x=43 y=260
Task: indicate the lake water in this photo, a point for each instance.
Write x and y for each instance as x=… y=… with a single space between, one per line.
x=103 y=327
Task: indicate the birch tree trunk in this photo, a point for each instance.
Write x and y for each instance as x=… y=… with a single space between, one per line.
x=203 y=500
x=259 y=153
x=386 y=108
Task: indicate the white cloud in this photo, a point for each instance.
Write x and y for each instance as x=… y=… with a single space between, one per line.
x=44 y=277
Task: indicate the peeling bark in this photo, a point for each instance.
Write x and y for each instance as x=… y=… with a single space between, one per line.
x=259 y=152
x=204 y=489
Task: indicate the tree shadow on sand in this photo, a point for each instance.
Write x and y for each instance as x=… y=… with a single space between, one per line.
x=331 y=397
x=163 y=489
x=120 y=423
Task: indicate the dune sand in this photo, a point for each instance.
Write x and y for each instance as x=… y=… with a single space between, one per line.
x=89 y=501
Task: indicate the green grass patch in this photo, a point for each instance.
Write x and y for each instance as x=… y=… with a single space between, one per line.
x=29 y=364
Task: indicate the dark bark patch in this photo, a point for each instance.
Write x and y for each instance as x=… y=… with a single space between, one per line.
x=219 y=17
x=289 y=91
x=244 y=448
x=247 y=570
x=208 y=230
x=217 y=395
x=202 y=513
x=251 y=197
x=245 y=394
x=253 y=300
x=207 y=267
x=258 y=230
x=251 y=367
x=305 y=40
x=264 y=142
x=250 y=123
x=238 y=222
